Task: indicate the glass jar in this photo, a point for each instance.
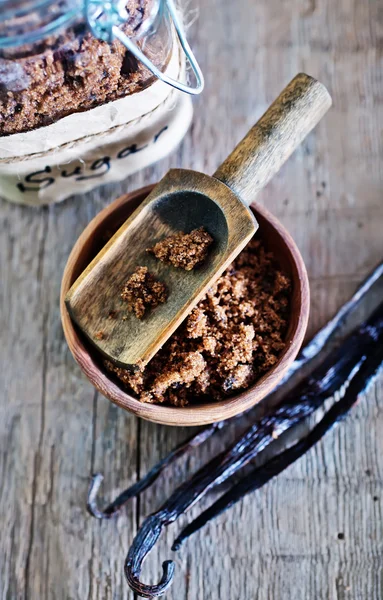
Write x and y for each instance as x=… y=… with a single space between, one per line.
x=60 y=59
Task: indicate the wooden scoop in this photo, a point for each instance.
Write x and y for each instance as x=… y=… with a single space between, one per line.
x=182 y=201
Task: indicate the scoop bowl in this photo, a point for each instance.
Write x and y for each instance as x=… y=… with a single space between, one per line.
x=276 y=239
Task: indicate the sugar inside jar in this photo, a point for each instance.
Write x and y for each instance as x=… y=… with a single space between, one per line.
x=84 y=94
x=46 y=77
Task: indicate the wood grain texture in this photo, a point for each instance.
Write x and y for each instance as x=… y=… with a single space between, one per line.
x=276 y=239
x=182 y=201
x=272 y=140
x=282 y=542
x=185 y=200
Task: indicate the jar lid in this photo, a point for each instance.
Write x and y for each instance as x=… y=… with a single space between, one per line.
x=27 y=21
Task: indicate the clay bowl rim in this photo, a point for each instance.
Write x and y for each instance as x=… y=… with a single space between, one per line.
x=193 y=415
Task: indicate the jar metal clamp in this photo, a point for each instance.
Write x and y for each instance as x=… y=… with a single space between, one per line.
x=104 y=19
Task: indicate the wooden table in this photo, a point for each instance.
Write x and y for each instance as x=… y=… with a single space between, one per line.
x=283 y=541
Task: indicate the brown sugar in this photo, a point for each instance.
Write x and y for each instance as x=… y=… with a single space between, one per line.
x=184 y=250
x=231 y=338
x=70 y=71
x=143 y=291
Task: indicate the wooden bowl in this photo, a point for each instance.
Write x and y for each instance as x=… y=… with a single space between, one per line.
x=277 y=239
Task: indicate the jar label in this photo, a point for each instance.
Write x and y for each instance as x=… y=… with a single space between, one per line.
x=44 y=181
x=54 y=163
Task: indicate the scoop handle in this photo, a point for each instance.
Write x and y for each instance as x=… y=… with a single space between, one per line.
x=274 y=137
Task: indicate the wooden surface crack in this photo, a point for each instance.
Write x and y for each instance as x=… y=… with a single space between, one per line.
x=44 y=353
x=92 y=470
x=138 y=476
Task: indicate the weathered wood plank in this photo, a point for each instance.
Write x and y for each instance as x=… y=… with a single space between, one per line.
x=281 y=542
x=22 y=405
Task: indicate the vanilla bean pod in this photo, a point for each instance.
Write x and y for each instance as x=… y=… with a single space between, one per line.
x=327 y=379
x=308 y=352
x=368 y=369
x=320 y=339
x=114 y=507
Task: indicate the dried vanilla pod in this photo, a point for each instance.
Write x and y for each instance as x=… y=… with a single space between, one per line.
x=306 y=355
x=350 y=366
